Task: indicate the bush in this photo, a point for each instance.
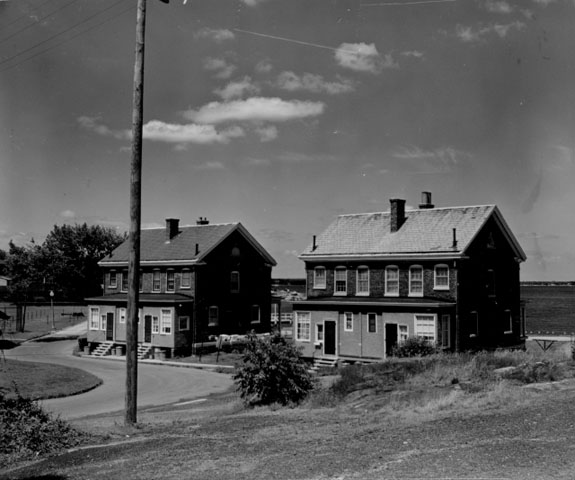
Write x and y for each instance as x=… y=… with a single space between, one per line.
x=414 y=347
x=272 y=371
x=28 y=430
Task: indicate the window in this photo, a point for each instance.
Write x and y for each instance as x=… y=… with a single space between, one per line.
x=372 y=323
x=319 y=277
x=348 y=322
x=490 y=282
x=235 y=282
x=166 y=322
x=319 y=332
x=425 y=327
x=416 y=281
x=509 y=321
x=473 y=324
x=444 y=332
x=170 y=281
x=155 y=324
x=392 y=281
x=156 y=283
x=113 y=279
x=94 y=318
x=102 y=322
x=403 y=333
x=340 y=281
x=213 y=317
x=275 y=313
x=124 y=287
x=235 y=252
x=302 y=326
x=255 y=314
x=141 y=280
x=362 y=281
x=183 y=323
x=186 y=279
x=122 y=315
x=441 y=277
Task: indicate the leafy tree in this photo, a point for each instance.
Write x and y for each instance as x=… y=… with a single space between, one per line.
x=414 y=347
x=272 y=372
x=66 y=262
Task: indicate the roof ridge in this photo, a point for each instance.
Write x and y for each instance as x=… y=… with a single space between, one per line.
x=387 y=212
x=188 y=226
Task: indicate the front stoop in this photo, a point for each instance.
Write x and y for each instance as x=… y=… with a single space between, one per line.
x=103 y=349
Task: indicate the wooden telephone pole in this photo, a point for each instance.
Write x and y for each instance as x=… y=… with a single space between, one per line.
x=131 y=409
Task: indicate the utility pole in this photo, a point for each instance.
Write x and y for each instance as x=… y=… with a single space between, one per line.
x=131 y=404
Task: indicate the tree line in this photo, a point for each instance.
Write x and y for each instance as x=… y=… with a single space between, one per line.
x=66 y=264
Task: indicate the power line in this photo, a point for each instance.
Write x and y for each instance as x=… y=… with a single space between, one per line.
x=23 y=29
x=16 y=20
x=62 y=33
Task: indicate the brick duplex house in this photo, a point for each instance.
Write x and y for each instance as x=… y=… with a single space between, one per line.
x=195 y=282
x=450 y=275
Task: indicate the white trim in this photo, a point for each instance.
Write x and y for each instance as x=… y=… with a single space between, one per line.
x=319 y=341
x=316 y=285
x=155 y=324
x=335 y=280
x=345 y=318
x=358 y=292
x=399 y=339
x=386 y=292
x=420 y=330
x=411 y=280
x=435 y=276
x=306 y=322
x=166 y=329
x=96 y=311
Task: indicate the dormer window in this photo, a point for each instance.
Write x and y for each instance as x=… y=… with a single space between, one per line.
x=319 y=277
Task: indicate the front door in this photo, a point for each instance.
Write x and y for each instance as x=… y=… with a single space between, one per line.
x=390 y=338
x=148 y=329
x=110 y=326
x=329 y=337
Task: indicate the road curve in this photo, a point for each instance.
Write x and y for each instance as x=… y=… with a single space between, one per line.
x=157 y=384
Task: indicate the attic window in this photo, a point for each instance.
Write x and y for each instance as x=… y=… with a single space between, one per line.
x=235 y=252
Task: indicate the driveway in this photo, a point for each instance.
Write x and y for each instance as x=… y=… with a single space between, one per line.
x=157 y=384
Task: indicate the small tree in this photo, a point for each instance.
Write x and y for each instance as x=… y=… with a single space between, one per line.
x=272 y=372
x=414 y=347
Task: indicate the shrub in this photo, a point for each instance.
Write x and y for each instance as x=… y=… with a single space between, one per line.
x=272 y=371
x=28 y=430
x=414 y=347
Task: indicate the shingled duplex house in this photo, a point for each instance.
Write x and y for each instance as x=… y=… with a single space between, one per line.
x=450 y=275
x=195 y=282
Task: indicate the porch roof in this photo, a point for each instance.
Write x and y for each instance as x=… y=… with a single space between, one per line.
x=165 y=298
x=380 y=302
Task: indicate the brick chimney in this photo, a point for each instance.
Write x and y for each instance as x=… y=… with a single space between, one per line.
x=202 y=221
x=172 y=228
x=426 y=200
x=397 y=214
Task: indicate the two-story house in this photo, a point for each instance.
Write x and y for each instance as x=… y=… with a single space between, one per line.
x=196 y=282
x=450 y=275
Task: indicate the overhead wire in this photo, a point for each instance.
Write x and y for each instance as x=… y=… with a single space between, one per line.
x=16 y=20
x=131 y=7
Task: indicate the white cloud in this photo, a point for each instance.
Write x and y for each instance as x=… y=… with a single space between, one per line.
x=93 y=124
x=255 y=109
x=237 y=89
x=264 y=66
x=498 y=6
x=413 y=53
x=69 y=214
x=217 y=35
x=253 y=3
x=443 y=159
x=257 y=162
x=362 y=57
x=296 y=157
x=191 y=133
x=267 y=133
x=312 y=83
x=221 y=67
x=543 y=3
x=211 y=165
x=469 y=34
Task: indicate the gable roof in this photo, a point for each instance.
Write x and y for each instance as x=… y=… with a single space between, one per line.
x=425 y=233
x=181 y=249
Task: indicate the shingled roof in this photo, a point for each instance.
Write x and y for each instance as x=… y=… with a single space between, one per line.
x=155 y=249
x=425 y=232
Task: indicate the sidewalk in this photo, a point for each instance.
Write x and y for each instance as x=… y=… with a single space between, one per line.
x=169 y=363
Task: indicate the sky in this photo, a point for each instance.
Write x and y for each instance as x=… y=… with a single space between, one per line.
x=282 y=115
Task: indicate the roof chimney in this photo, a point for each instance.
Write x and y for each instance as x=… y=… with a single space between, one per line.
x=426 y=200
x=202 y=221
x=172 y=228
x=397 y=214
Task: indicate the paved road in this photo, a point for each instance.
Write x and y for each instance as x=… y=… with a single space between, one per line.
x=157 y=384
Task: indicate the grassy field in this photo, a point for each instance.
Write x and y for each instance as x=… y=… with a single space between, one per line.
x=550 y=309
x=42 y=380
x=441 y=417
